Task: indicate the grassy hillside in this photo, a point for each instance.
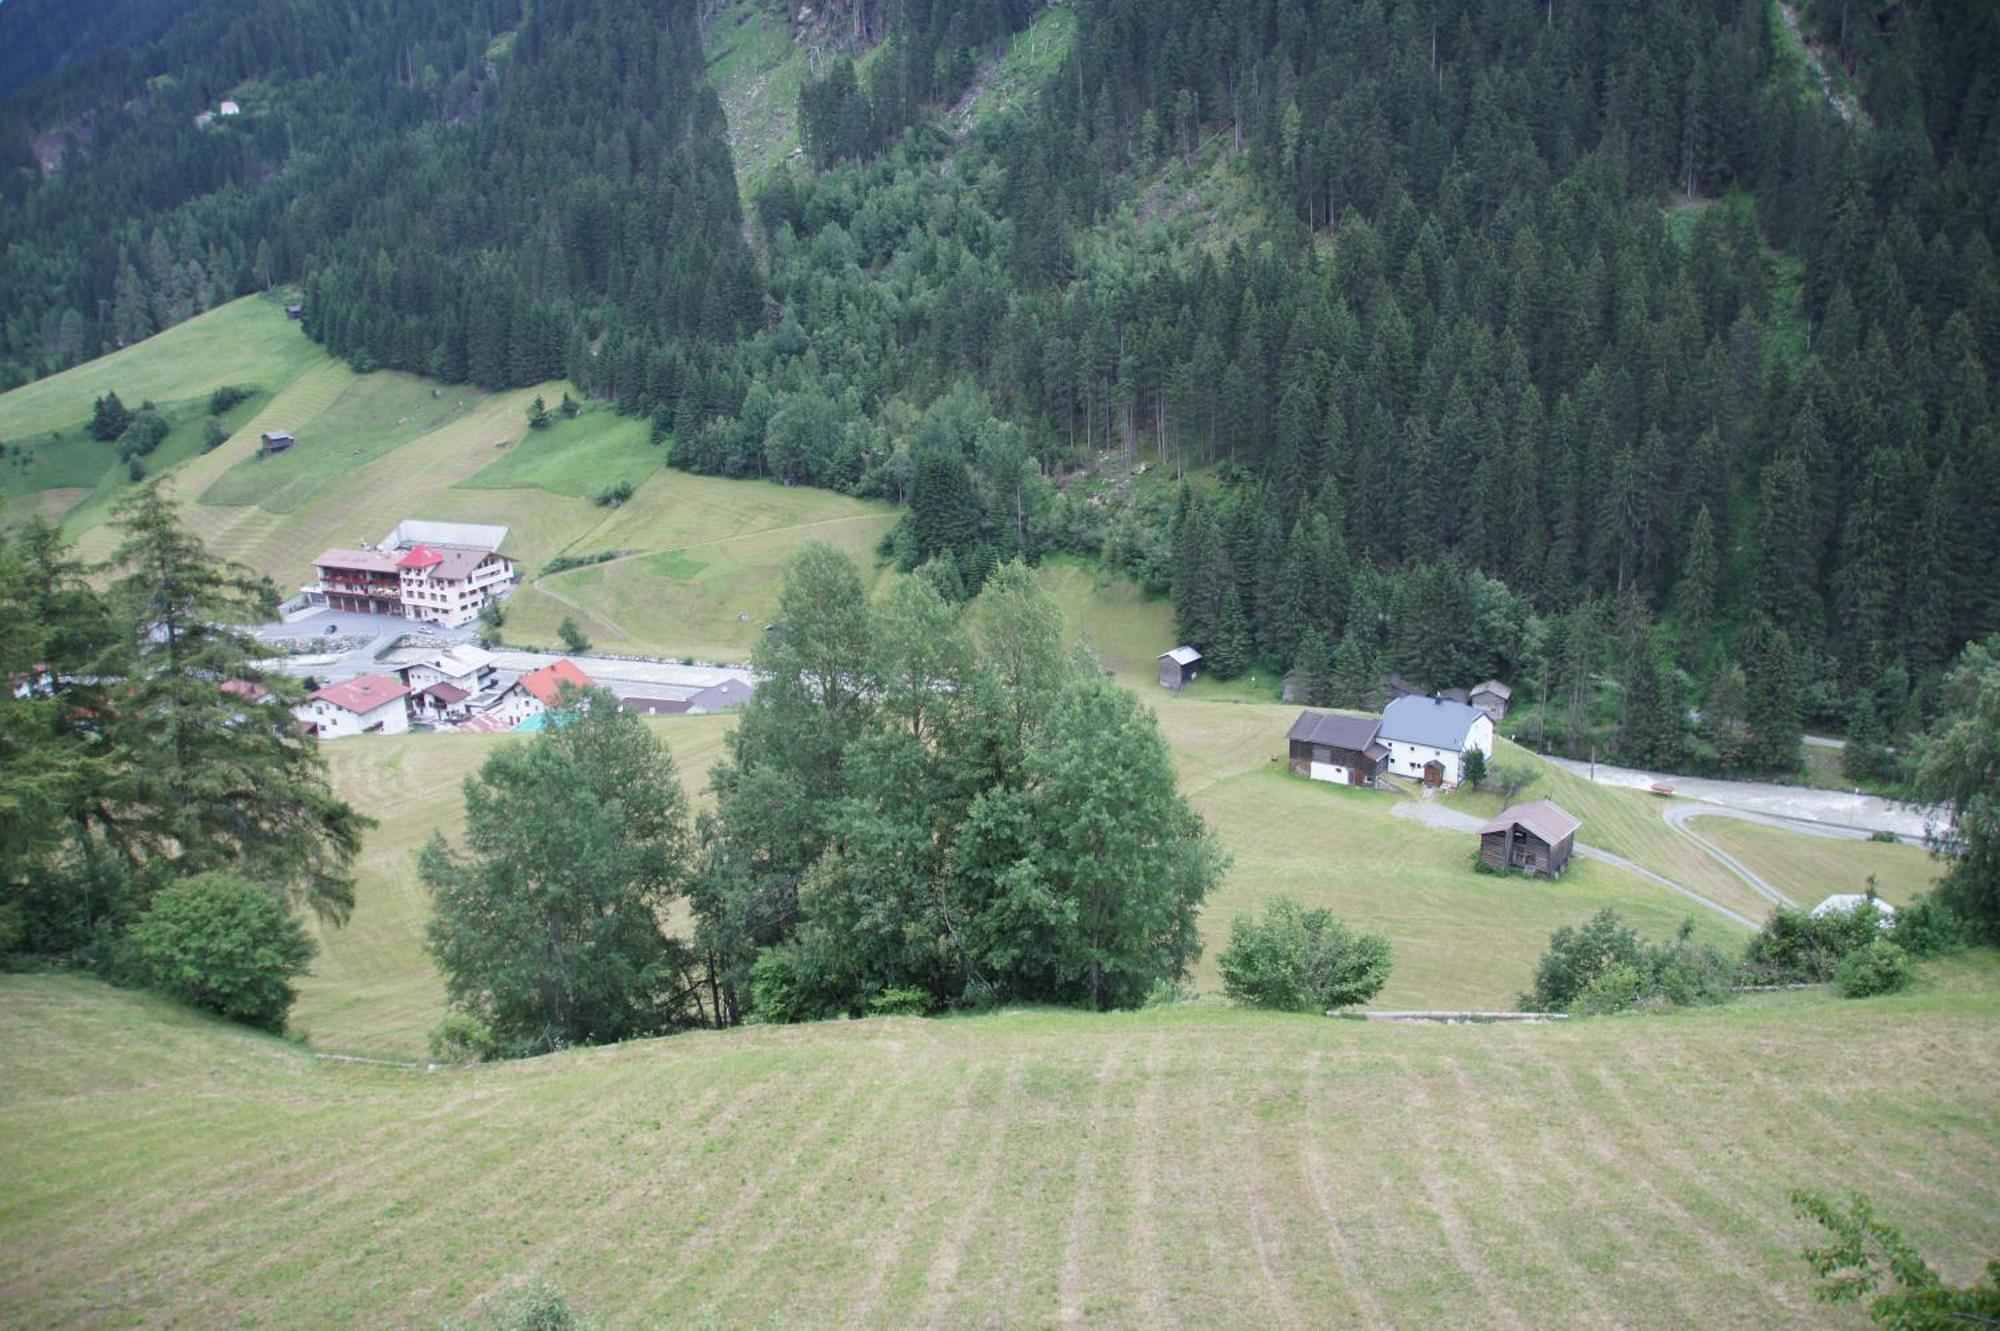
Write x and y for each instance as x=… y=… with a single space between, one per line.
x=1463 y=940
x=1187 y=1166
x=247 y=341
x=52 y=466
x=1808 y=869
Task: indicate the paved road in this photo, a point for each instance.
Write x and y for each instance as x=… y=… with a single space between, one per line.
x=349 y=661
x=1433 y=814
x=1868 y=813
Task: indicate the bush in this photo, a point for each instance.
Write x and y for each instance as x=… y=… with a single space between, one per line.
x=573 y=639
x=1475 y=768
x=212 y=435
x=774 y=985
x=1302 y=960
x=1508 y=780
x=614 y=495
x=535 y=1305
x=1605 y=967
x=460 y=1038
x=1929 y=928
x=900 y=1002
x=1616 y=988
x=220 y=942
x=1795 y=947
x=143 y=434
x=225 y=397
x=1879 y=968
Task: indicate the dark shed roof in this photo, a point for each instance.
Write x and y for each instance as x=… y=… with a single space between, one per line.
x=1335 y=730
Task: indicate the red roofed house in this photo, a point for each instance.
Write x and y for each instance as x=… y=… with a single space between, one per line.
x=450 y=585
x=536 y=692
x=432 y=572
x=364 y=705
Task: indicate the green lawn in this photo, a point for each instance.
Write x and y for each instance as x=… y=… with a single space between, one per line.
x=1808 y=868
x=581 y=458
x=374 y=415
x=1462 y=939
x=1189 y=1166
x=247 y=341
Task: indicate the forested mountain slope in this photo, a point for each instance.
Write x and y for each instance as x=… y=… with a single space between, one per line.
x=1580 y=344
x=1600 y=302
x=459 y=189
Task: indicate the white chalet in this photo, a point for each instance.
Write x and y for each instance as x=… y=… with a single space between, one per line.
x=1428 y=738
x=447 y=684
x=364 y=705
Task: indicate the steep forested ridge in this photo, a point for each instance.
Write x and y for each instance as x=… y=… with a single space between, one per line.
x=1558 y=341
x=413 y=166
x=1602 y=302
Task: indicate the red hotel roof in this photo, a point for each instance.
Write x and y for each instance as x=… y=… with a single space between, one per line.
x=546 y=684
x=362 y=694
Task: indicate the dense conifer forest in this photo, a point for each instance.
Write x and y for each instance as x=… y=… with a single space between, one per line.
x=1599 y=347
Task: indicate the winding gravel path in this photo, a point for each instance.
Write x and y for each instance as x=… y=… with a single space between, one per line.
x=1433 y=814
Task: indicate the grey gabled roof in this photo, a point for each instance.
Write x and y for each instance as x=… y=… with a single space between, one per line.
x=1335 y=730
x=1181 y=656
x=1494 y=687
x=1429 y=721
x=1545 y=818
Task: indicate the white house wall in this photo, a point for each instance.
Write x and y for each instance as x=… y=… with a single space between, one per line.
x=1406 y=759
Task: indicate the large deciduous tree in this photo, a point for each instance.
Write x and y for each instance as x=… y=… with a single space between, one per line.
x=1958 y=768
x=943 y=799
x=549 y=925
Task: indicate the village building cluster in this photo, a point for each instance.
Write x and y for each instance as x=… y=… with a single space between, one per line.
x=433 y=572
x=462 y=688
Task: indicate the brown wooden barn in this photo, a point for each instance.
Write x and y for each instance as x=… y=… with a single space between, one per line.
x=1536 y=837
x=1327 y=746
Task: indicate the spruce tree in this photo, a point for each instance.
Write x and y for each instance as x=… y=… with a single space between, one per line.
x=1771 y=709
x=1229 y=655
x=199 y=780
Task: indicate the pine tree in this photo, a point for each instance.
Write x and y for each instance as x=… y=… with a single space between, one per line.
x=200 y=782
x=1694 y=594
x=1771 y=709
x=1229 y=655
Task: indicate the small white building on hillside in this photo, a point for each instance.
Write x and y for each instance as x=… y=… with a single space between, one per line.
x=1846 y=903
x=364 y=705
x=1428 y=738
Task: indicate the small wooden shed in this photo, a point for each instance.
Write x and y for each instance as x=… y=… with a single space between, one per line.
x=1179 y=668
x=274 y=441
x=1536 y=838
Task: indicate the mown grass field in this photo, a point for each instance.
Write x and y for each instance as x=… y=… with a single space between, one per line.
x=248 y=341
x=1808 y=868
x=1189 y=1166
x=1462 y=939
x=372 y=990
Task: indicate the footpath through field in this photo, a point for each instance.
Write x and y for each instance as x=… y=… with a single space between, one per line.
x=1433 y=814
